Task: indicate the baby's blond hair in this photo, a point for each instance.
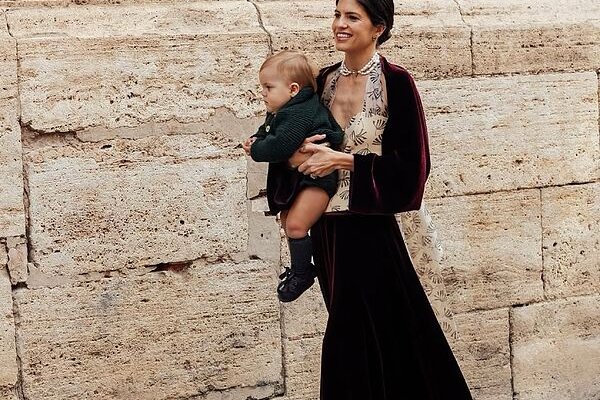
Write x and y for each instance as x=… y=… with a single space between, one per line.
x=294 y=67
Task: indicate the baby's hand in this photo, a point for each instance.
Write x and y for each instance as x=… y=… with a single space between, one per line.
x=247 y=143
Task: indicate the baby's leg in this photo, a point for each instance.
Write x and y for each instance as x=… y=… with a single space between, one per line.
x=308 y=206
x=306 y=210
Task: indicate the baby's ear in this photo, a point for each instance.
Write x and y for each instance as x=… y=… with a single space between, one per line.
x=294 y=88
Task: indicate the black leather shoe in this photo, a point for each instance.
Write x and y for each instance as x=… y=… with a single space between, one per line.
x=292 y=284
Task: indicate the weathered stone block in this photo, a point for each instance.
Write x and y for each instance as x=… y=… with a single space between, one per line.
x=306 y=316
x=222 y=123
x=133 y=203
x=163 y=335
x=430 y=38
x=483 y=352
x=263 y=238
x=3 y=254
x=174 y=63
x=17 y=263
x=556 y=350
x=303 y=360
x=571 y=228
x=8 y=393
x=12 y=216
x=492 y=248
x=67 y=3
x=503 y=133
x=533 y=36
x=8 y=62
x=257 y=179
x=8 y=355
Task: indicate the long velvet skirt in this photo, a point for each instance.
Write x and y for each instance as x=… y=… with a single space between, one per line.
x=382 y=340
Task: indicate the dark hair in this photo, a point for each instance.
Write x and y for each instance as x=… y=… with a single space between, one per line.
x=380 y=12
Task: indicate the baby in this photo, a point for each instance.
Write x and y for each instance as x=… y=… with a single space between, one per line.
x=294 y=113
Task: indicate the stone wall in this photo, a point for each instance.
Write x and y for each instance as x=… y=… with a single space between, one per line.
x=135 y=258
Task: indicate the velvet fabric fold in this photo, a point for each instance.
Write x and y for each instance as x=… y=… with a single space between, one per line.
x=382 y=340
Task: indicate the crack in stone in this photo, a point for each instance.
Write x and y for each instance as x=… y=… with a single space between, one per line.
x=5 y=245
x=174 y=266
x=231 y=392
x=18 y=60
x=262 y=26
x=33 y=132
x=17 y=324
x=20 y=285
x=510 y=349
x=543 y=277
x=462 y=17
x=261 y=193
x=514 y=190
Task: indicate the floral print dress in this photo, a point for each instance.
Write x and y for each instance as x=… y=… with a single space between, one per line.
x=362 y=136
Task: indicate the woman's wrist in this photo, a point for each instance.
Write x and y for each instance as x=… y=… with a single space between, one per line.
x=344 y=161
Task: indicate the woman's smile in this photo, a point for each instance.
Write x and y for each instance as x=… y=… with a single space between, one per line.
x=341 y=36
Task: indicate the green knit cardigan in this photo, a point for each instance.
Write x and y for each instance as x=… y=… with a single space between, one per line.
x=284 y=131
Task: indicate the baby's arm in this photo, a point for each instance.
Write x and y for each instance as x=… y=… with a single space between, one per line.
x=247 y=143
x=278 y=146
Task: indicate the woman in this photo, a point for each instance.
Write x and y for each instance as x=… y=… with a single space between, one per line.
x=382 y=340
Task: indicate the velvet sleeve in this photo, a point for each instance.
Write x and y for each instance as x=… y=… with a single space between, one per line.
x=395 y=181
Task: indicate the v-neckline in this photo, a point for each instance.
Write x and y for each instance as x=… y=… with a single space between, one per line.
x=333 y=84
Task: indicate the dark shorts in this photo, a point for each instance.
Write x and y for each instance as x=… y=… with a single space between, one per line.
x=283 y=185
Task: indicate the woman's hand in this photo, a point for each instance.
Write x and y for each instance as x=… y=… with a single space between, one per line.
x=323 y=160
x=301 y=155
x=246 y=144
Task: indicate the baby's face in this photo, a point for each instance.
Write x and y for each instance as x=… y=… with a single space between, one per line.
x=275 y=90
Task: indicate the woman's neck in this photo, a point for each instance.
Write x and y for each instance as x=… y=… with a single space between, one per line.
x=355 y=61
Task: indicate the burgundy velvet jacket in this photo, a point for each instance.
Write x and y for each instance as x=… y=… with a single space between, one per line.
x=395 y=181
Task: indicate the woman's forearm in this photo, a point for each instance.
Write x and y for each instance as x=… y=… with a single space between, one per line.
x=344 y=161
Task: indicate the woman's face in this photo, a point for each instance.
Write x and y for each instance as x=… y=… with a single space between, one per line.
x=353 y=31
